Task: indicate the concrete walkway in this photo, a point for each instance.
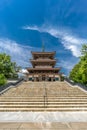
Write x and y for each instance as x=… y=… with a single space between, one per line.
x=43 y=117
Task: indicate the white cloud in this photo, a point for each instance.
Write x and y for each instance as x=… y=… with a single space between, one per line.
x=73 y=43
x=31 y=28
x=67 y=65
x=69 y=41
x=19 y=53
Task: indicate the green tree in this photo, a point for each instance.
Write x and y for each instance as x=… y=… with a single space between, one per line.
x=79 y=72
x=84 y=50
x=6 y=66
x=2 y=79
x=74 y=73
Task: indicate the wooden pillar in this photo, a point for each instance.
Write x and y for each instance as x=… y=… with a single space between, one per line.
x=51 y=78
x=59 y=78
x=54 y=77
x=32 y=77
x=46 y=78
x=41 y=78
x=27 y=77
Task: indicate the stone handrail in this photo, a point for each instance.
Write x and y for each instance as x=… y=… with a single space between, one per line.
x=74 y=84
x=9 y=85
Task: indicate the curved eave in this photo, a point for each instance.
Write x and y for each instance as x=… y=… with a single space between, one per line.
x=43 y=53
x=42 y=61
x=43 y=69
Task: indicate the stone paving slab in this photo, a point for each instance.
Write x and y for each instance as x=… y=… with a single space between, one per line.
x=43 y=117
x=44 y=126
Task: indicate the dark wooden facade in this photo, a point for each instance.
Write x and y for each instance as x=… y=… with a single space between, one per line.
x=43 y=67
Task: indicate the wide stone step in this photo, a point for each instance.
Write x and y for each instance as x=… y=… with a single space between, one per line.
x=51 y=102
x=44 y=105
x=31 y=96
x=42 y=109
x=48 y=100
x=66 y=100
x=77 y=95
x=38 y=97
x=73 y=93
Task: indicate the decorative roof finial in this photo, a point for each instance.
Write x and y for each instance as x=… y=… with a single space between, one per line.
x=43 y=47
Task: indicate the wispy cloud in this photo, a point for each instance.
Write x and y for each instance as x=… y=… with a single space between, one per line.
x=19 y=53
x=67 y=65
x=32 y=28
x=69 y=41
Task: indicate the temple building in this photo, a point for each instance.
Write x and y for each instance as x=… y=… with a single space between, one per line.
x=43 y=67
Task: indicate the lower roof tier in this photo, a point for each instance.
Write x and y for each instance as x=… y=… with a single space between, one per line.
x=43 y=62
x=43 y=68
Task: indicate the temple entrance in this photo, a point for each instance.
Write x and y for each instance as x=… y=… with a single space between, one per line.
x=43 y=78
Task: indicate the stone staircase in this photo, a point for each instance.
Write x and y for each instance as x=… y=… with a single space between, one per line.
x=43 y=96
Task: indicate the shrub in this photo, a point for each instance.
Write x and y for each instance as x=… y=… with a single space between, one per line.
x=3 y=80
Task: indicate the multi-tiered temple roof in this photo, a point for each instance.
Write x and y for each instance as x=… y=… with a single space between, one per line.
x=43 y=65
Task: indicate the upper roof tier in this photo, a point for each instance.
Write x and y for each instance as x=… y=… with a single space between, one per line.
x=43 y=54
x=43 y=62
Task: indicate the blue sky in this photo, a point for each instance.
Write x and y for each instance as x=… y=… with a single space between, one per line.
x=60 y=24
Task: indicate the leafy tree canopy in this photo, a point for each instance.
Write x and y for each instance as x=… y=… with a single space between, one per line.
x=79 y=72
x=2 y=79
x=7 y=68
